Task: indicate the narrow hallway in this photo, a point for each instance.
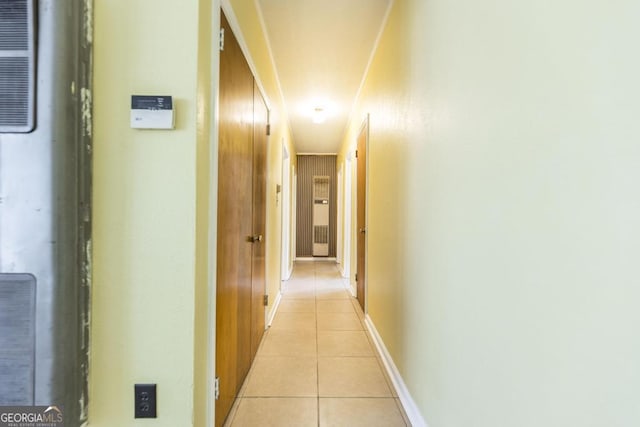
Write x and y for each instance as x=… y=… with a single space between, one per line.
x=316 y=365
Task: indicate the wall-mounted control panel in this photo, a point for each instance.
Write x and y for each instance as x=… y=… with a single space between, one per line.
x=152 y=112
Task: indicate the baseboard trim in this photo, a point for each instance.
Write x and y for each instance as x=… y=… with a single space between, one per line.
x=410 y=408
x=288 y=274
x=353 y=290
x=274 y=309
x=341 y=270
x=318 y=259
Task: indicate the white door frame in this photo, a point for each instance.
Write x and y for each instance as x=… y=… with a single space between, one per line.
x=346 y=247
x=286 y=213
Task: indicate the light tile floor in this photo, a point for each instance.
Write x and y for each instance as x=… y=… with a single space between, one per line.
x=317 y=365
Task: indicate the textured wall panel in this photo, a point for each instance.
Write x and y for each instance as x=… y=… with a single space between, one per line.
x=308 y=167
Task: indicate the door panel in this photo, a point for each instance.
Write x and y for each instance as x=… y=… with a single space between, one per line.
x=235 y=162
x=260 y=121
x=242 y=175
x=361 y=212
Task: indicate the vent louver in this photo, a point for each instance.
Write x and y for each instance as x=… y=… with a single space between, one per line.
x=320 y=216
x=17 y=338
x=17 y=67
x=321 y=234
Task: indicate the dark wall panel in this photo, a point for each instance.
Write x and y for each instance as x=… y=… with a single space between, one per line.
x=308 y=166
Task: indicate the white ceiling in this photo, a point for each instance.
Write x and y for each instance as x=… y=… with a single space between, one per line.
x=321 y=49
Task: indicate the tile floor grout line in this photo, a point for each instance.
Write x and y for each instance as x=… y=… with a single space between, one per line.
x=317 y=349
x=322 y=285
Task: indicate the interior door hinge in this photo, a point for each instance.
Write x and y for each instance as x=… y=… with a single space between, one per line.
x=356 y=154
x=356 y=277
x=266 y=300
x=221 y=39
x=268 y=129
x=216 y=388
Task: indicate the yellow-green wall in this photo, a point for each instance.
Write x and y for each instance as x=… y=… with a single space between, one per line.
x=144 y=199
x=153 y=300
x=504 y=213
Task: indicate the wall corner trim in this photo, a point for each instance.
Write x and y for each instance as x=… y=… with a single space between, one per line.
x=410 y=408
x=274 y=309
x=288 y=274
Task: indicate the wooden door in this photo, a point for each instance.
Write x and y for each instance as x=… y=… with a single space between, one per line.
x=361 y=214
x=258 y=283
x=235 y=223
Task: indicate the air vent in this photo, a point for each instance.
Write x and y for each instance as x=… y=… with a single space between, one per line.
x=320 y=187
x=321 y=234
x=17 y=338
x=320 y=216
x=17 y=66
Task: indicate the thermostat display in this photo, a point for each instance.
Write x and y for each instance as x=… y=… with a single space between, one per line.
x=152 y=112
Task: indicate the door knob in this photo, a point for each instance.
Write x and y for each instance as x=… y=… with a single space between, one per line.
x=255 y=238
x=363 y=230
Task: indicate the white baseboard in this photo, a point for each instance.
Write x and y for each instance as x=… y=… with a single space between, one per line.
x=410 y=408
x=341 y=270
x=288 y=274
x=318 y=259
x=274 y=309
x=347 y=287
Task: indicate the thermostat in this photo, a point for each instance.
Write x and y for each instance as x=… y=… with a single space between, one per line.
x=152 y=112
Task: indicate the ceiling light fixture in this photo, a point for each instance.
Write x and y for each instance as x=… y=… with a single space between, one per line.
x=319 y=115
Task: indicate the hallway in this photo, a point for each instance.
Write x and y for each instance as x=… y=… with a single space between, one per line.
x=316 y=365
x=502 y=160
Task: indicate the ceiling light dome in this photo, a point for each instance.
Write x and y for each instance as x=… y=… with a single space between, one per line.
x=319 y=115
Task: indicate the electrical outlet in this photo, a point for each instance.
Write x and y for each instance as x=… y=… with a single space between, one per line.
x=145 y=400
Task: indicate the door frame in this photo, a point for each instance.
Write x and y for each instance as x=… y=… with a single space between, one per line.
x=346 y=218
x=217 y=8
x=285 y=201
x=294 y=214
x=339 y=215
x=212 y=237
x=363 y=132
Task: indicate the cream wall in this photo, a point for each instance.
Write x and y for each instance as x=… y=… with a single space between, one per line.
x=153 y=300
x=504 y=211
x=144 y=199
